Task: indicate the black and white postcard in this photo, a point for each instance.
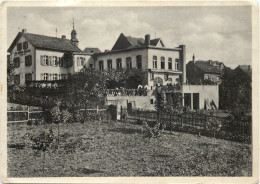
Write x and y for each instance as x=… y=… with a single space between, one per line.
x=129 y=92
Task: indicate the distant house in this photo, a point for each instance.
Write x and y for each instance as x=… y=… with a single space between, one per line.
x=245 y=68
x=91 y=50
x=204 y=71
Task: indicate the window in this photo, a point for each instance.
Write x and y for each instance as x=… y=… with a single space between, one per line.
x=28 y=60
x=81 y=61
x=129 y=63
x=118 y=63
x=19 y=46
x=101 y=65
x=17 y=79
x=55 y=61
x=45 y=76
x=152 y=76
x=162 y=63
x=154 y=61
x=139 y=61
x=169 y=63
x=109 y=64
x=151 y=101
x=17 y=62
x=176 y=64
x=63 y=76
x=25 y=45
x=61 y=61
x=44 y=60
x=166 y=77
x=55 y=76
x=28 y=77
x=218 y=78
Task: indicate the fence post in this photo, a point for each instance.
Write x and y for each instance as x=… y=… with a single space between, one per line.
x=171 y=122
x=121 y=112
x=97 y=109
x=28 y=115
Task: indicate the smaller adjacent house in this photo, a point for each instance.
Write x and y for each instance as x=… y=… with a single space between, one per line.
x=246 y=68
x=204 y=71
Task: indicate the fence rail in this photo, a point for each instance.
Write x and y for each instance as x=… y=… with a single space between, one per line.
x=195 y=123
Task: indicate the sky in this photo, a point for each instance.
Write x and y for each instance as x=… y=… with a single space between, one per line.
x=210 y=33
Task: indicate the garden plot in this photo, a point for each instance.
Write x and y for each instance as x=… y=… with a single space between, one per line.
x=120 y=149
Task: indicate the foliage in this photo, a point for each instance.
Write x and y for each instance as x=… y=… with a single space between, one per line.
x=153 y=131
x=129 y=79
x=168 y=102
x=42 y=142
x=84 y=89
x=235 y=92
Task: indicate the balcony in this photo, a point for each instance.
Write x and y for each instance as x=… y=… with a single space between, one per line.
x=127 y=92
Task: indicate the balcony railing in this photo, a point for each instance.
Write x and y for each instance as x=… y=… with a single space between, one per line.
x=44 y=84
x=127 y=92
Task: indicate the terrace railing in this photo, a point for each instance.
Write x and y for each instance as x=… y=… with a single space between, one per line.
x=127 y=92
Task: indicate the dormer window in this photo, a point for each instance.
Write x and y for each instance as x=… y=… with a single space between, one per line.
x=19 y=46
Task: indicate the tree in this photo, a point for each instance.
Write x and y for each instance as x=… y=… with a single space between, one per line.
x=85 y=89
x=41 y=142
x=235 y=92
x=59 y=115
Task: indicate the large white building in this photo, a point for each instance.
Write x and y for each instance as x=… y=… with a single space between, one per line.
x=44 y=58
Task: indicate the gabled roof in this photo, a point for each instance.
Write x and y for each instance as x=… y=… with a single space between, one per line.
x=46 y=42
x=245 y=67
x=207 y=67
x=125 y=42
x=91 y=50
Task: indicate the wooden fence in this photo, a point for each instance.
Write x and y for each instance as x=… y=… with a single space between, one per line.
x=236 y=130
x=23 y=115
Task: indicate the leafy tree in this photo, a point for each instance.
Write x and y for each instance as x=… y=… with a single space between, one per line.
x=85 y=89
x=235 y=92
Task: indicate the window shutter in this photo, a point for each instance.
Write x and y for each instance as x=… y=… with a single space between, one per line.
x=42 y=60
x=50 y=76
x=42 y=76
x=50 y=61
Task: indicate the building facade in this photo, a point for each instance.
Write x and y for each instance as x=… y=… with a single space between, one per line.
x=199 y=72
x=164 y=65
x=43 y=58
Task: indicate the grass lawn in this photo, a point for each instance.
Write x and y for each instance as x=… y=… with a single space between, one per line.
x=119 y=149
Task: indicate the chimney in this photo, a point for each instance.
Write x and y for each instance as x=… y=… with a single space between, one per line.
x=63 y=37
x=147 y=39
x=23 y=30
